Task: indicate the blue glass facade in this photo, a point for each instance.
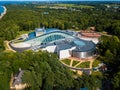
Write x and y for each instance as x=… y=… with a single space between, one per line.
x=52 y=38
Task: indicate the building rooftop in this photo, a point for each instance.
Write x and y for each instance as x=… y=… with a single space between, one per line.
x=81 y=45
x=90 y=34
x=63 y=44
x=18 y=78
x=51 y=30
x=31 y=35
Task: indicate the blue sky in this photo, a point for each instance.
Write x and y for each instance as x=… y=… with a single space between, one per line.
x=59 y=0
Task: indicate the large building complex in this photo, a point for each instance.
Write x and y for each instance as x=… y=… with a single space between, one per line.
x=65 y=43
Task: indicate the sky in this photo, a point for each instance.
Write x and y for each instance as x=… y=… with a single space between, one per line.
x=59 y=0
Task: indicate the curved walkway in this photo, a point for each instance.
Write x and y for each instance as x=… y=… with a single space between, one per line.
x=80 y=61
x=91 y=60
x=7 y=47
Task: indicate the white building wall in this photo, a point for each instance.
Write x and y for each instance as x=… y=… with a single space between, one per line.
x=39 y=33
x=64 y=54
x=95 y=40
x=50 y=48
x=21 y=45
x=72 y=48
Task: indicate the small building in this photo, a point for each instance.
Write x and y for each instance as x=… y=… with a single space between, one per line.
x=16 y=81
x=39 y=31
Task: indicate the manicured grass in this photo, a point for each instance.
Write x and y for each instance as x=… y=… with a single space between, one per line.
x=41 y=6
x=75 y=6
x=66 y=61
x=97 y=73
x=95 y=63
x=65 y=5
x=75 y=62
x=84 y=65
x=68 y=6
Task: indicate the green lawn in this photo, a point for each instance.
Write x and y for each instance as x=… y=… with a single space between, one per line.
x=75 y=6
x=75 y=62
x=66 y=61
x=95 y=63
x=84 y=65
x=68 y=6
x=65 y=5
x=97 y=73
x=41 y=6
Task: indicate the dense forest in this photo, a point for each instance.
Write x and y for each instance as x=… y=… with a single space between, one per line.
x=43 y=69
x=43 y=72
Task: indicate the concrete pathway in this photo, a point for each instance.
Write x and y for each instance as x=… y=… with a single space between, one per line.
x=7 y=47
x=77 y=64
x=71 y=63
x=91 y=63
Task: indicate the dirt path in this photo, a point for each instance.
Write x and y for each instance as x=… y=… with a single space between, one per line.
x=7 y=47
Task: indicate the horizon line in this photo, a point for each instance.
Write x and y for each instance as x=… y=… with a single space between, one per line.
x=59 y=0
